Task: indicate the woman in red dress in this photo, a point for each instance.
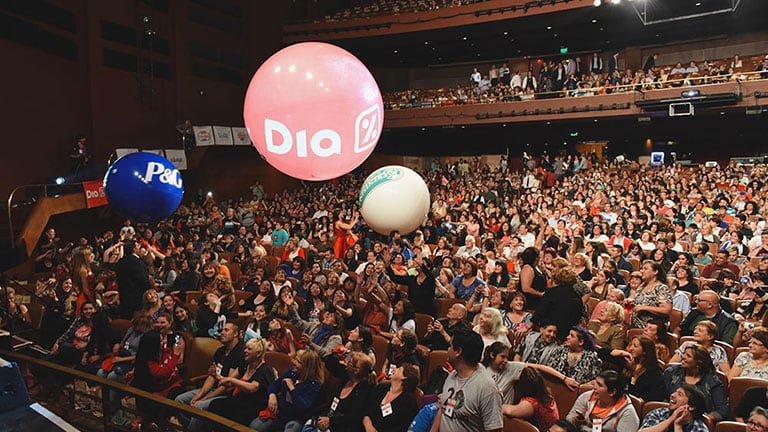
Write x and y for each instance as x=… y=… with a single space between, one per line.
x=83 y=278
x=342 y=229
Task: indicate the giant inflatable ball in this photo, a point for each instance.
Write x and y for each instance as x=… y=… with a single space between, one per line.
x=143 y=187
x=314 y=111
x=394 y=198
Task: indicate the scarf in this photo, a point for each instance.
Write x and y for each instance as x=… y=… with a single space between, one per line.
x=322 y=334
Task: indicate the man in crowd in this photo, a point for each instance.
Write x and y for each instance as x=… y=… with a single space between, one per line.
x=720 y=263
x=470 y=400
x=708 y=308
x=132 y=279
x=687 y=406
x=439 y=332
x=538 y=346
x=226 y=362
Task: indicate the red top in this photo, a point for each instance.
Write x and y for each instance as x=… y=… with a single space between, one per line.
x=544 y=416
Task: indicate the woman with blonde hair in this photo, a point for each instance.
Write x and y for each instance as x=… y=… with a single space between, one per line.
x=349 y=404
x=293 y=395
x=418 y=243
x=249 y=387
x=443 y=282
x=582 y=266
x=83 y=278
x=491 y=327
x=608 y=330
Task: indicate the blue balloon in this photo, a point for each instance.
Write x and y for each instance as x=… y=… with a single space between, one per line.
x=143 y=187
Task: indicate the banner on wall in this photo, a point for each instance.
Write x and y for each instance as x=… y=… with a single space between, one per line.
x=94 y=194
x=222 y=135
x=120 y=152
x=240 y=136
x=203 y=135
x=177 y=157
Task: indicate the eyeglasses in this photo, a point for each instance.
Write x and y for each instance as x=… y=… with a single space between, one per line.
x=753 y=425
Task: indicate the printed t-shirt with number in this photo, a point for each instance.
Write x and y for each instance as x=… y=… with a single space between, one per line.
x=472 y=404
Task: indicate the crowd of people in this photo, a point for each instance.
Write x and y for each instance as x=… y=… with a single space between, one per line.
x=382 y=7
x=576 y=77
x=566 y=270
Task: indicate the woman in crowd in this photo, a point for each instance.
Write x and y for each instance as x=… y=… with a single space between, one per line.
x=280 y=338
x=315 y=303
x=152 y=305
x=402 y=349
x=704 y=334
x=83 y=278
x=582 y=266
x=71 y=347
x=576 y=358
x=601 y=284
x=754 y=310
x=265 y=296
x=491 y=327
x=350 y=403
x=499 y=278
x=533 y=401
x=281 y=309
x=660 y=257
x=467 y=282
x=654 y=299
x=645 y=376
x=753 y=363
x=249 y=387
x=322 y=337
x=360 y=340
x=401 y=316
x=615 y=295
x=421 y=285
x=166 y=275
x=684 y=275
x=696 y=368
x=187 y=280
x=124 y=353
x=212 y=316
x=394 y=405
x=608 y=330
x=293 y=395
x=561 y=304
x=608 y=403
x=214 y=282
x=533 y=283
x=17 y=314
x=517 y=318
x=183 y=319
x=156 y=372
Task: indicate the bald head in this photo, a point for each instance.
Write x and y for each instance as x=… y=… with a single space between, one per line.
x=708 y=303
x=457 y=312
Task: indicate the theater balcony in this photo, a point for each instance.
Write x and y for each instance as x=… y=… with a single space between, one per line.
x=733 y=96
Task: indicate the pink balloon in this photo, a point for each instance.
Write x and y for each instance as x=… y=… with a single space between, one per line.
x=314 y=111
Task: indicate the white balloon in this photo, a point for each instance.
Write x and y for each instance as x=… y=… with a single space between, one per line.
x=394 y=198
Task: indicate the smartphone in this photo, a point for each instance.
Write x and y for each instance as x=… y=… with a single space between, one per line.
x=177 y=340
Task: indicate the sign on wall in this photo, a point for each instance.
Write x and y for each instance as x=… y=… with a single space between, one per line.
x=222 y=135
x=203 y=135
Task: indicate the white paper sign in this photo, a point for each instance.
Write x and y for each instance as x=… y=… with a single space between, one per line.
x=240 y=136
x=177 y=157
x=203 y=135
x=222 y=135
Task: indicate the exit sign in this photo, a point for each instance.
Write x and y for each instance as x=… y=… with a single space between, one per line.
x=564 y=50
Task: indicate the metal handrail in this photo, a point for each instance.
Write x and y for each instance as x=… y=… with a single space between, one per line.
x=44 y=186
x=125 y=389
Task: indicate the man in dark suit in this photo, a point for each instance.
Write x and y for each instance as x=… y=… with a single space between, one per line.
x=132 y=280
x=613 y=63
x=650 y=63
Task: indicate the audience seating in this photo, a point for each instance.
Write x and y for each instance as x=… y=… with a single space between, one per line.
x=675 y=318
x=280 y=362
x=738 y=386
x=198 y=357
x=729 y=351
x=380 y=347
x=592 y=304
x=652 y=405
x=437 y=358
x=518 y=425
x=637 y=403
x=443 y=304
x=564 y=396
x=120 y=326
x=422 y=321
x=730 y=426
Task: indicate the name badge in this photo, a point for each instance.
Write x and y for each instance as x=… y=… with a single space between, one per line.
x=597 y=425
x=449 y=405
x=218 y=368
x=386 y=409
x=334 y=404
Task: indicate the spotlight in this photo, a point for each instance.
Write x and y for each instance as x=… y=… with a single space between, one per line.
x=60 y=180
x=597 y=3
x=615 y=1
